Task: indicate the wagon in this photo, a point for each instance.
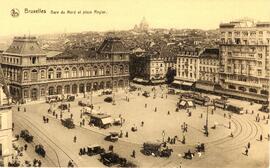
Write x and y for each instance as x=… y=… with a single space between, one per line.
x=26 y=136
x=68 y=123
x=94 y=150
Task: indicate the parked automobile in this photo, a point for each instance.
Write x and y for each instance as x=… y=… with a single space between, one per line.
x=70 y=98
x=265 y=108
x=108 y=99
x=68 y=122
x=146 y=94
x=81 y=103
x=26 y=136
x=94 y=150
x=113 y=137
x=106 y=92
x=63 y=106
x=112 y=159
x=39 y=149
x=156 y=149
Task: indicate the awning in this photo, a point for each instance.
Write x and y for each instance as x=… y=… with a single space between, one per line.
x=177 y=82
x=187 y=83
x=190 y=104
x=107 y=120
x=158 y=81
x=182 y=103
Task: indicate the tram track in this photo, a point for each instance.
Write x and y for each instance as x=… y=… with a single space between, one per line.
x=33 y=144
x=46 y=136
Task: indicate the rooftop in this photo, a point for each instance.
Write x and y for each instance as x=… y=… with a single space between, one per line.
x=25 y=46
x=112 y=45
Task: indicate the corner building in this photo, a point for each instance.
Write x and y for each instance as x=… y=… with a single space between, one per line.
x=32 y=75
x=245 y=60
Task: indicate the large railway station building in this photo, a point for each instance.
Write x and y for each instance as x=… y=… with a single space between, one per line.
x=32 y=74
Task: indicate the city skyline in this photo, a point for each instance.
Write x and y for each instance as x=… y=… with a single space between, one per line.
x=123 y=15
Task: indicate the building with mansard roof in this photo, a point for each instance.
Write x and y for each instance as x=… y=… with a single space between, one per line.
x=33 y=75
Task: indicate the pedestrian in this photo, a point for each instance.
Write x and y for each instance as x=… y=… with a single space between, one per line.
x=252 y=111
x=246 y=152
x=268 y=137
x=71 y=115
x=25 y=147
x=61 y=115
x=24 y=109
x=231 y=135
x=168 y=112
x=224 y=115
x=246 y=111
x=18 y=108
x=248 y=145
x=126 y=134
x=155 y=109
x=74 y=139
x=212 y=112
x=83 y=121
x=263 y=117
x=12 y=126
x=56 y=116
x=201 y=115
x=111 y=148
x=80 y=124
x=47 y=120
x=229 y=125
x=142 y=123
x=134 y=154
x=145 y=105
x=169 y=139
x=44 y=119
x=261 y=137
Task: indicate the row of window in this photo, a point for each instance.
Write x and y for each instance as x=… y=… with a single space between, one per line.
x=245 y=33
x=66 y=73
x=12 y=60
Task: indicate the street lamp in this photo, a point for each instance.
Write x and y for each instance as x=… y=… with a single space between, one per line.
x=206 y=122
x=163 y=135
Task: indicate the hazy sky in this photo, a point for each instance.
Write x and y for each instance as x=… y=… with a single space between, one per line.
x=124 y=14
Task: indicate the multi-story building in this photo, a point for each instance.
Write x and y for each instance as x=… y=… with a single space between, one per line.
x=187 y=69
x=208 y=69
x=148 y=69
x=32 y=75
x=245 y=60
x=5 y=127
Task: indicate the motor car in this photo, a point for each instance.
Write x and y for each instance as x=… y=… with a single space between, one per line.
x=26 y=136
x=146 y=94
x=70 y=98
x=265 y=108
x=108 y=99
x=112 y=159
x=63 y=106
x=39 y=149
x=68 y=122
x=156 y=149
x=112 y=136
x=94 y=150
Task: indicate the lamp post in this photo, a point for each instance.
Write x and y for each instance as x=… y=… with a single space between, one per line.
x=206 y=122
x=163 y=135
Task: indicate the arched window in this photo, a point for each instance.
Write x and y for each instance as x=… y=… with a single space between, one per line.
x=25 y=75
x=126 y=68
x=67 y=89
x=108 y=70
x=242 y=88
x=66 y=73
x=34 y=75
x=59 y=90
x=51 y=90
x=88 y=72
x=101 y=71
x=88 y=87
x=81 y=71
x=42 y=74
x=74 y=89
x=95 y=71
x=252 y=90
x=74 y=72
x=50 y=73
x=121 y=69
x=58 y=73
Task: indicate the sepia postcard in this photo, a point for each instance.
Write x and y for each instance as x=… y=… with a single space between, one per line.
x=135 y=83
